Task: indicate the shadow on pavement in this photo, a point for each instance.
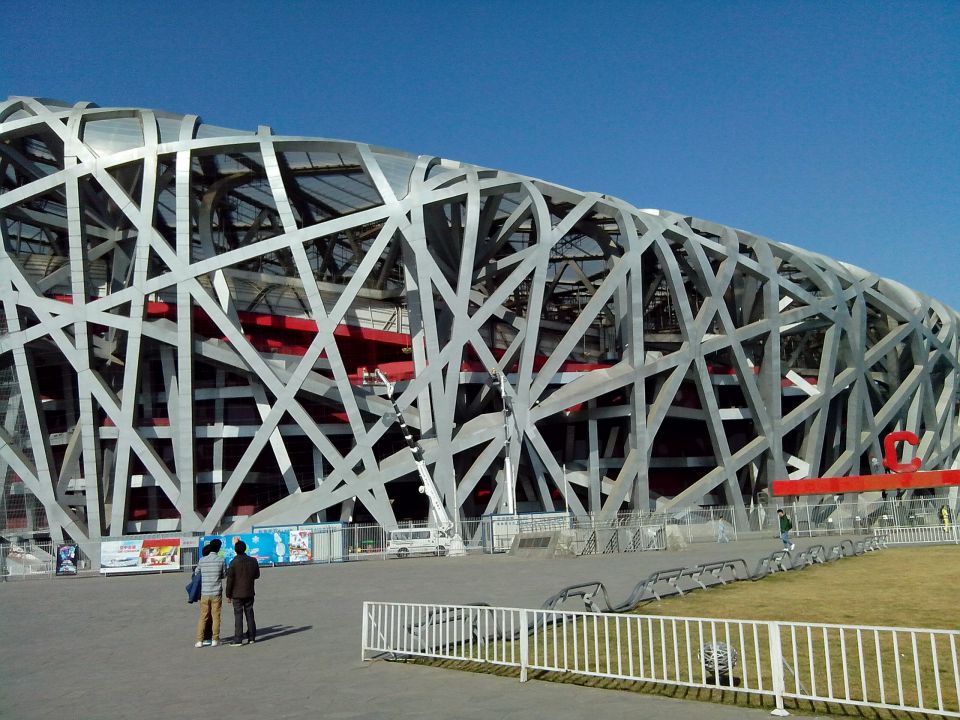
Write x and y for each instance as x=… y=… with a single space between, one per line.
x=276 y=631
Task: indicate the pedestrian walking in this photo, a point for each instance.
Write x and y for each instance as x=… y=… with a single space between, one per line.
x=722 y=532
x=241 y=575
x=212 y=572
x=785 y=527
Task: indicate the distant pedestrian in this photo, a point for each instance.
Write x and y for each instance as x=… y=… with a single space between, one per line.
x=945 y=517
x=212 y=572
x=722 y=532
x=241 y=575
x=785 y=527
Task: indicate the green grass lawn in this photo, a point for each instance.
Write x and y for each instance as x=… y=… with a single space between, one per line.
x=903 y=587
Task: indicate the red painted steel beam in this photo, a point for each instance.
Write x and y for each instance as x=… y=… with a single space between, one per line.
x=291 y=336
x=867 y=483
x=266 y=322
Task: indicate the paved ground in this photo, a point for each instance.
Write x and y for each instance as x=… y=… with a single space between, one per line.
x=122 y=647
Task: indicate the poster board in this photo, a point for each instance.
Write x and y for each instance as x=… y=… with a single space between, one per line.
x=139 y=555
x=68 y=558
x=328 y=540
x=284 y=547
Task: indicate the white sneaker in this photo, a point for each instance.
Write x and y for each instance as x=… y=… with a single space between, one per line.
x=792 y=546
x=199 y=644
x=214 y=643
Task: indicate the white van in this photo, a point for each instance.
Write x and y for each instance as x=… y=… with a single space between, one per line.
x=417 y=541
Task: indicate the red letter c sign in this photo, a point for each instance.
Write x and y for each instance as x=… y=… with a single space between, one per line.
x=891 y=459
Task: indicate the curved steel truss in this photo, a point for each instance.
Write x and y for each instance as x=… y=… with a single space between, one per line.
x=191 y=316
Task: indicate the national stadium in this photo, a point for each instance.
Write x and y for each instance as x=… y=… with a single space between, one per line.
x=197 y=322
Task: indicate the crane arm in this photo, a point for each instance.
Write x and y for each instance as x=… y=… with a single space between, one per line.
x=427 y=487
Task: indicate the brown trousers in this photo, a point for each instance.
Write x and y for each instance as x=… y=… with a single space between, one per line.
x=209 y=606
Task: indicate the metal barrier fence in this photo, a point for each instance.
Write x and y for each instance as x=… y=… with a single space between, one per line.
x=368 y=541
x=500 y=530
x=827 y=517
x=641 y=537
x=34 y=559
x=930 y=535
x=896 y=518
x=836 y=518
x=905 y=669
x=20 y=561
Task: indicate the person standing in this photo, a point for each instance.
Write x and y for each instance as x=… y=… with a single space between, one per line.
x=211 y=571
x=785 y=527
x=241 y=575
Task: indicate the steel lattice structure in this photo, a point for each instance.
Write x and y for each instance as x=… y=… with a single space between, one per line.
x=191 y=315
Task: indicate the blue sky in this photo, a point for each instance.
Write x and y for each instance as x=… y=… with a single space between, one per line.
x=831 y=126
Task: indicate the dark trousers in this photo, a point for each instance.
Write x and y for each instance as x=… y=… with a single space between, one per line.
x=241 y=607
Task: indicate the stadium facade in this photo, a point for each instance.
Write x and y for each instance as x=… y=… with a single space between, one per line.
x=193 y=318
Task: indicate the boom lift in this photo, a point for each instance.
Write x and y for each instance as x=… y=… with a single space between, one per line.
x=446 y=527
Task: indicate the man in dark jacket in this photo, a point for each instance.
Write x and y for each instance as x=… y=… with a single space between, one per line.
x=241 y=574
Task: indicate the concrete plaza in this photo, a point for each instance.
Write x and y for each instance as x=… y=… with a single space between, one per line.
x=122 y=647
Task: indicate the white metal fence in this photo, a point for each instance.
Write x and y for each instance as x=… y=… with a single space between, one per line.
x=915 y=521
x=369 y=540
x=905 y=669
x=499 y=530
x=931 y=535
x=34 y=559
x=698 y=524
x=639 y=537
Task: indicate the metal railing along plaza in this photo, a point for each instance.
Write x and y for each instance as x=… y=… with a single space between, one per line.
x=936 y=535
x=35 y=559
x=696 y=525
x=20 y=561
x=915 y=521
x=899 y=669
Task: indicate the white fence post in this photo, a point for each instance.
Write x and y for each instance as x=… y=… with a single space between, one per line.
x=524 y=644
x=364 y=632
x=776 y=668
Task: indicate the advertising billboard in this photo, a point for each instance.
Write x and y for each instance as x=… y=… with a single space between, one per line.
x=136 y=555
x=67 y=558
x=268 y=548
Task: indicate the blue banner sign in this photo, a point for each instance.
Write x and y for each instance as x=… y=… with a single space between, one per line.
x=267 y=548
